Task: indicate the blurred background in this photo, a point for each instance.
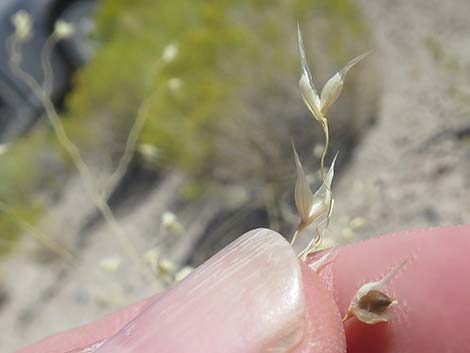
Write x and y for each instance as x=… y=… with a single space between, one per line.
x=179 y=116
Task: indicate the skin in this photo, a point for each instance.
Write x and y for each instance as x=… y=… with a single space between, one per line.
x=432 y=314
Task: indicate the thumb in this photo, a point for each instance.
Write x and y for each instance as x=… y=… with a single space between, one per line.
x=254 y=296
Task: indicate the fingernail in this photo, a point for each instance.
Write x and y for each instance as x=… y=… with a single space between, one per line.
x=248 y=298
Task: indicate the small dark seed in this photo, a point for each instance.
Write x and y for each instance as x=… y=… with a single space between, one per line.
x=375 y=302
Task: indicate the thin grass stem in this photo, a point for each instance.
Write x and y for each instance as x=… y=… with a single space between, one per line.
x=74 y=153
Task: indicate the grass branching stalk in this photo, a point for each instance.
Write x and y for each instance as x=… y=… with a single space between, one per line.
x=134 y=133
x=46 y=56
x=74 y=153
x=312 y=245
x=55 y=247
x=324 y=124
x=315 y=209
x=46 y=241
x=129 y=150
x=298 y=230
x=136 y=129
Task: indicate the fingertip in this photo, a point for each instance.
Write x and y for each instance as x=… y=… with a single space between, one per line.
x=324 y=331
x=88 y=335
x=432 y=312
x=247 y=298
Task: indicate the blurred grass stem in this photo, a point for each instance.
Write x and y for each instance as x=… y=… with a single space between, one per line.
x=46 y=55
x=74 y=153
x=45 y=240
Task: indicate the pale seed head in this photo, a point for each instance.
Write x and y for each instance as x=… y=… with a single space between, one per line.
x=171 y=224
x=307 y=88
x=183 y=273
x=170 y=52
x=174 y=84
x=63 y=29
x=110 y=264
x=333 y=87
x=330 y=92
x=4 y=147
x=319 y=106
x=166 y=267
x=314 y=209
x=22 y=23
x=304 y=199
x=370 y=304
x=321 y=208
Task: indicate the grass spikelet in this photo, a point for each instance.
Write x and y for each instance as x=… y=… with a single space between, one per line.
x=330 y=93
x=370 y=304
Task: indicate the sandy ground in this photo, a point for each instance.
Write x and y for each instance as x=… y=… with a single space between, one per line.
x=411 y=169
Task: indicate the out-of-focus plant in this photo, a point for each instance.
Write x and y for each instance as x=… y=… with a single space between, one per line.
x=63 y=30
x=26 y=167
x=206 y=105
x=205 y=83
